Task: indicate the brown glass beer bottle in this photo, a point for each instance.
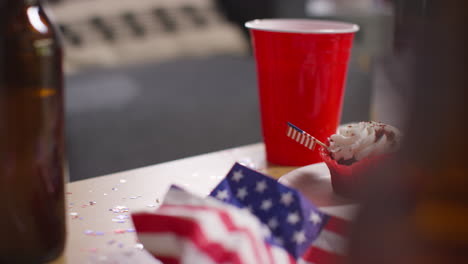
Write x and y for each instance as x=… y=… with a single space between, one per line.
x=32 y=220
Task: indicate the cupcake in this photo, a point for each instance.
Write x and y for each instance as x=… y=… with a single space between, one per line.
x=356 y=148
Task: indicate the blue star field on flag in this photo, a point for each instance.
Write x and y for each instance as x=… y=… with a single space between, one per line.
x=290 y=220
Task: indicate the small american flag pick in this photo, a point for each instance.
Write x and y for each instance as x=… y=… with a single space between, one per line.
x=248 y=218
x=302 y=137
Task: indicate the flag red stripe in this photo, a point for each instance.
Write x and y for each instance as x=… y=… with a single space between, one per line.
x=337 y=225
x=317 y=255
x=228 y=223
x=232 y=227
x=167 y=260
x=145 y=223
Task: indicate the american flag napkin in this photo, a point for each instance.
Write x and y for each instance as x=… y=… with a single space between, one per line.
x=248 y=218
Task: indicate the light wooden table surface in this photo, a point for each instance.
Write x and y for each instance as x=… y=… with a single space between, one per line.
x=96 y=234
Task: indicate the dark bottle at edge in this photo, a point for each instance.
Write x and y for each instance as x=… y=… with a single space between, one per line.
x=415 y=209
x=32 y=220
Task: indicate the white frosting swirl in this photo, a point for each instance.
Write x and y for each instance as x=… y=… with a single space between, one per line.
x=359 y=140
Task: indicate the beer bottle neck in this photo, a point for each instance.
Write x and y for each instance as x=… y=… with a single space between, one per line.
x=20 y=3
x=10 y=8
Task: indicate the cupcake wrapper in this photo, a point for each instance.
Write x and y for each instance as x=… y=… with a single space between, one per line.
x=347 y=179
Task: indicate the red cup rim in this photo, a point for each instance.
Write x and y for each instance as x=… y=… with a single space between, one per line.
x=306 y=26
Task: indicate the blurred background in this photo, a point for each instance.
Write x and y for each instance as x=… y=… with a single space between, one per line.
x=150 y=81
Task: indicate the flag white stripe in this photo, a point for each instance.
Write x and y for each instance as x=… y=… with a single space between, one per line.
x=290 y=130
x=312 y=143
x=194 y=254
x=303 y=139
x=293 y=136
x=298 y=137
x=302 y=261
x=280 y=256
x=331 y=242
x=307 y=142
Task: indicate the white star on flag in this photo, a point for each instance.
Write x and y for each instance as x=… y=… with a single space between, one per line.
x=249 y=209
x=266 y=232
x=273 y=223
x=266 y=205
x=299 y=237
x=222 y=195
x=287 y=198
x=315 y=218
x=261 y=186
x=242 y=193
x=237 y=176
x=293 y=218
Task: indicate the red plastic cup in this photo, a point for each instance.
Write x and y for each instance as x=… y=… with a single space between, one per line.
x=301 y=70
